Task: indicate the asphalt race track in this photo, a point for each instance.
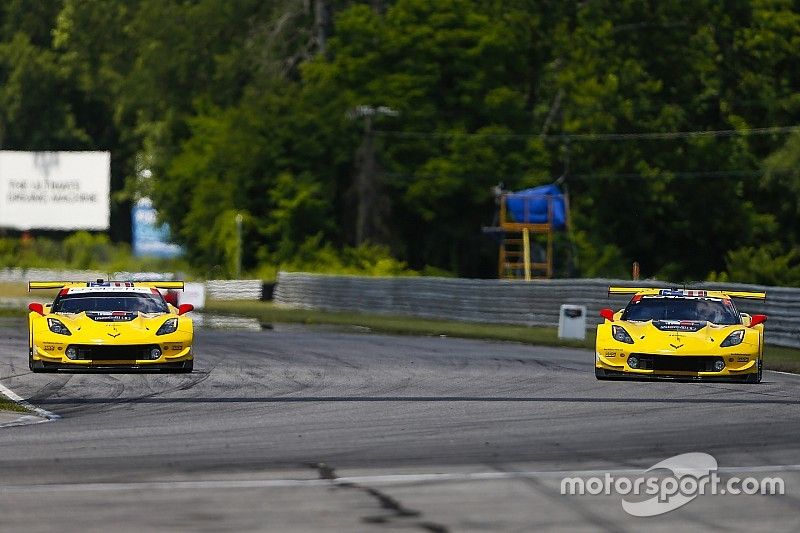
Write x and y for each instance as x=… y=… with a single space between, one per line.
x=297 y=429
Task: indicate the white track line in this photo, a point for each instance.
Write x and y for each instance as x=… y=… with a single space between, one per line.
x=14 y=397
x=395 y=479
x=24 y=420
x=784 y=373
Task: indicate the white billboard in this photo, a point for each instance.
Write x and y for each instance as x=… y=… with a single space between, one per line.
x=54 y=190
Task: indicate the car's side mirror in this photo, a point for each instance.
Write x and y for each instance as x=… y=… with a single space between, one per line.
x=185 y=308
x=36 y=308
x=757 y=319
x=607 y=313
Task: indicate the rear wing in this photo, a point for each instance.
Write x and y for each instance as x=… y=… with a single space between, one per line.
x=628 y=290
x=32 y=285
x=687 y=292
x=747 y=295
x=174 y=285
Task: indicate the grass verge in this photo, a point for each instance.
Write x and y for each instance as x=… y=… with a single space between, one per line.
x=8 y=405
x=782 y=359
x=775 y=357
x=405 y=325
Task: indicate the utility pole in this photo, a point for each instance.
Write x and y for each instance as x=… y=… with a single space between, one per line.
x=378 y=6
x=321 y=24
x=365 y=182
x=239 y=245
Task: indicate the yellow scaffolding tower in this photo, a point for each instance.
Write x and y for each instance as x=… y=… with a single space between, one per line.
x=514 y=260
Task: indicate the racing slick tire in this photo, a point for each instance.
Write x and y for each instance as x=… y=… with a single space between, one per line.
x=38 y=366
x=600 y=374
x=757 y=376
x=187 y=367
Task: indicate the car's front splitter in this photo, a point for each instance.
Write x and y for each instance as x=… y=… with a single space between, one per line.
x=168 y=356
x=664 y=376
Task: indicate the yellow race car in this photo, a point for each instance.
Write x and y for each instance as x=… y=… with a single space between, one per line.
x=678 y=333
x=109 y=325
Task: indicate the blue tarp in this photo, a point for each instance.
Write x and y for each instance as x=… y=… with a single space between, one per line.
x=530 y=206
x=151 y=239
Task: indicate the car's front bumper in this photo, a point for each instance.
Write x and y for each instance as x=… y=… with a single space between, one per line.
x=737 y=366
x=173 y=355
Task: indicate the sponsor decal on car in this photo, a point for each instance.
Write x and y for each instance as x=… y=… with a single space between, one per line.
x=679 y=325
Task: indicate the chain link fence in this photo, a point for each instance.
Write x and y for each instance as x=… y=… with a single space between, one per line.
x=234 y=289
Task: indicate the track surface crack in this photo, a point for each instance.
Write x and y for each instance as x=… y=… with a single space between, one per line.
x=397 y=512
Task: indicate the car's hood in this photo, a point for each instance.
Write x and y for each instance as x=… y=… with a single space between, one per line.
x=120 y=327
x=685 y=336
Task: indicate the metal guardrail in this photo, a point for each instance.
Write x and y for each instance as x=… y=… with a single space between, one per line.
x=534 y=303
x=27 y=274
x=250 y=289
x=234 y=289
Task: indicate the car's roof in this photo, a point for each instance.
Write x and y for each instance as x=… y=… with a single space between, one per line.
x=686 y=293
x=108 y=290
x=106 y=286
x=112 y=287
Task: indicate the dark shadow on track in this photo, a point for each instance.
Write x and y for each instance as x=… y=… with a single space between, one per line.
x=400 y=399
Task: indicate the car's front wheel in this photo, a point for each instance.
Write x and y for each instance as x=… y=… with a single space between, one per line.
x=756 y=376
x=37 y=366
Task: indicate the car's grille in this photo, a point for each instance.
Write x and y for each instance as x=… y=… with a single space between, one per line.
x=679 y=325
x=114 y=353
x=679 y=363
x=111 y=316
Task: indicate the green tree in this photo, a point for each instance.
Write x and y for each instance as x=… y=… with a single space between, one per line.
x=246 y=108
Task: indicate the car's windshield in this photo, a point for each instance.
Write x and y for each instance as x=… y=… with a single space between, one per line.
x=110 y=301
x=715 y=310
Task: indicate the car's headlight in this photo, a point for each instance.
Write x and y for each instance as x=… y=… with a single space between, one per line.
x=733 y=339
x=170 y=326
x=56 y=326
x=619 y=334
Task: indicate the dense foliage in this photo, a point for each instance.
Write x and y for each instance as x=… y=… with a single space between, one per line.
x=217 y=108
x=85 y=251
